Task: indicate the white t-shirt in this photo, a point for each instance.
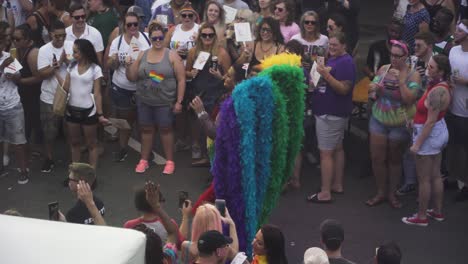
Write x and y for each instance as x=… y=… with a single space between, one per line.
x=183 y=39
x=237 y=4
x=81 y=87
x=90 y=33
x=459 y=63
x=120 y=78
x=18 y=12
x=321 y=41
x=44 y=59
x=9 y=96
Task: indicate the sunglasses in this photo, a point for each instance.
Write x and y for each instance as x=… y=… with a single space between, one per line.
x=279 y=9
x=160 y=38
x=240 y=18
x=265 y=30
x=207 y=35
x=79 y=17
x=310 y=22
x=187 y=15
x=132 y=24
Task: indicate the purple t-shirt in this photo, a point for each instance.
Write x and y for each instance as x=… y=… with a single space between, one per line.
x=325 y=101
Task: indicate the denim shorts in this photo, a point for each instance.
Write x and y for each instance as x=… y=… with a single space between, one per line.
x=392 y=133
x=161 y=116
x=436 y=141
x=123 y=99
x=330 y=131
x=12 y=125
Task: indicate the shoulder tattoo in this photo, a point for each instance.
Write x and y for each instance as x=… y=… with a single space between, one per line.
x=437 y=98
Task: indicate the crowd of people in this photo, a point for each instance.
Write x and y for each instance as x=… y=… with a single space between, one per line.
x=168 y=66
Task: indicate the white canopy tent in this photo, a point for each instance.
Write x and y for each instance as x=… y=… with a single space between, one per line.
x=33 y=241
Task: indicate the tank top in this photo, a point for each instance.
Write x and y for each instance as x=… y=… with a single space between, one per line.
x=157 y=84
x=254 y=61
x=421 y=110
x=183 y=39
x=30 y=89
x=389 y=108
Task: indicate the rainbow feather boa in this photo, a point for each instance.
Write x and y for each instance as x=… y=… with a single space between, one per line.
x=258 y=137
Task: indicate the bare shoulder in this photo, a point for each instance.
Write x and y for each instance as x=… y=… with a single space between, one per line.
x=438 y=98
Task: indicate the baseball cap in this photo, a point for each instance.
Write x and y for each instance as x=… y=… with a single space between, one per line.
x=315 y=255
x=212 y=240
x=332 y=230
x=137 y=10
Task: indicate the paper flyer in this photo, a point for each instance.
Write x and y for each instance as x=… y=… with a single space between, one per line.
x=13 y=68
x=134 y=48
x=314 y=75
x=230 y=13
x=243 y=32
x=201 y=60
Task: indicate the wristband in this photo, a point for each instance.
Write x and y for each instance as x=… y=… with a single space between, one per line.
x=99 y=115
x=201 y=113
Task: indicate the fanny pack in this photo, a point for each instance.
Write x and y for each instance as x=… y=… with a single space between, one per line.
x=79 y=113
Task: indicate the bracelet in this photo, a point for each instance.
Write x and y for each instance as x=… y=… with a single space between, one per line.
x=202 y=113
x=99 y=115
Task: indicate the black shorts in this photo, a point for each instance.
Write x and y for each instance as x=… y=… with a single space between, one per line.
x=91 y=120
x=458 y=129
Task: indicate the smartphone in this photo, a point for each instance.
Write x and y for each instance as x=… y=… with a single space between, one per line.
x=183 y=196
x=54 y=211
x=320 y=60
x=221 y=206
x=421 y=64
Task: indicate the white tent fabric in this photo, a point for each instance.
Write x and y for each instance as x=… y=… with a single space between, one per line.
x=33 y=241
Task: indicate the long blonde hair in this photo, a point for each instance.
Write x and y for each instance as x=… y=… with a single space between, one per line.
x=206 y=218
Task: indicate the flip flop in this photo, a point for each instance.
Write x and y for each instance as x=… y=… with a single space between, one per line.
x=314 y=199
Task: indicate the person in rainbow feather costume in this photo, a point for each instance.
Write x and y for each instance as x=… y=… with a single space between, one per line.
x=258 y=137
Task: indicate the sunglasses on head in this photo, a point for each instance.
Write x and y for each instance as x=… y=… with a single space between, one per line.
x=187 y=15
x=279 y=9
x=79 y=17
x=207 y=35
x=157 y=38
x=310 y=22
x=130 y=24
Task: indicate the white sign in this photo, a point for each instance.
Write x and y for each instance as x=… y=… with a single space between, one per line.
x=230 y=13
x=314 y=75
x=243 y=32
x=201 y=60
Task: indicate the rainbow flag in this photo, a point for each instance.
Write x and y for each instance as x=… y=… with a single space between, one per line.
x=156 y=77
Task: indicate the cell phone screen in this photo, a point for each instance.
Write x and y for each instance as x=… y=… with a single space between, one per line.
x=183 y=196
x=221 y=206
x=54 y=211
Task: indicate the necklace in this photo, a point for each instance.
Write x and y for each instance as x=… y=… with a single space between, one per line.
x=266 y=50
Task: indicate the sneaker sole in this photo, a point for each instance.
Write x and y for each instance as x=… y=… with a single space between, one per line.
x=23 y=181
x=404 y=220
x=49 y=170
x=147 y=167
x=121 y=159
x=438 y=219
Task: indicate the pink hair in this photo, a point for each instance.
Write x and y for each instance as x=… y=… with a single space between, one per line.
x=206 y=218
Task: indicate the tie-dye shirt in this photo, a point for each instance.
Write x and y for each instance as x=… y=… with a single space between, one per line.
x=389 y=108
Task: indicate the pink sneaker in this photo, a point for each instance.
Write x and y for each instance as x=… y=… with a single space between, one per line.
x=432 y=214
x=141 y=166
x=415 y=220
x=169 y=168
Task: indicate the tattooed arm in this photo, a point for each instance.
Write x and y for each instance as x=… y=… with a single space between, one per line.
x=436 y=101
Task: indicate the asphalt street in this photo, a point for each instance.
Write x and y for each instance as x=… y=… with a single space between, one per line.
x=365 y=228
